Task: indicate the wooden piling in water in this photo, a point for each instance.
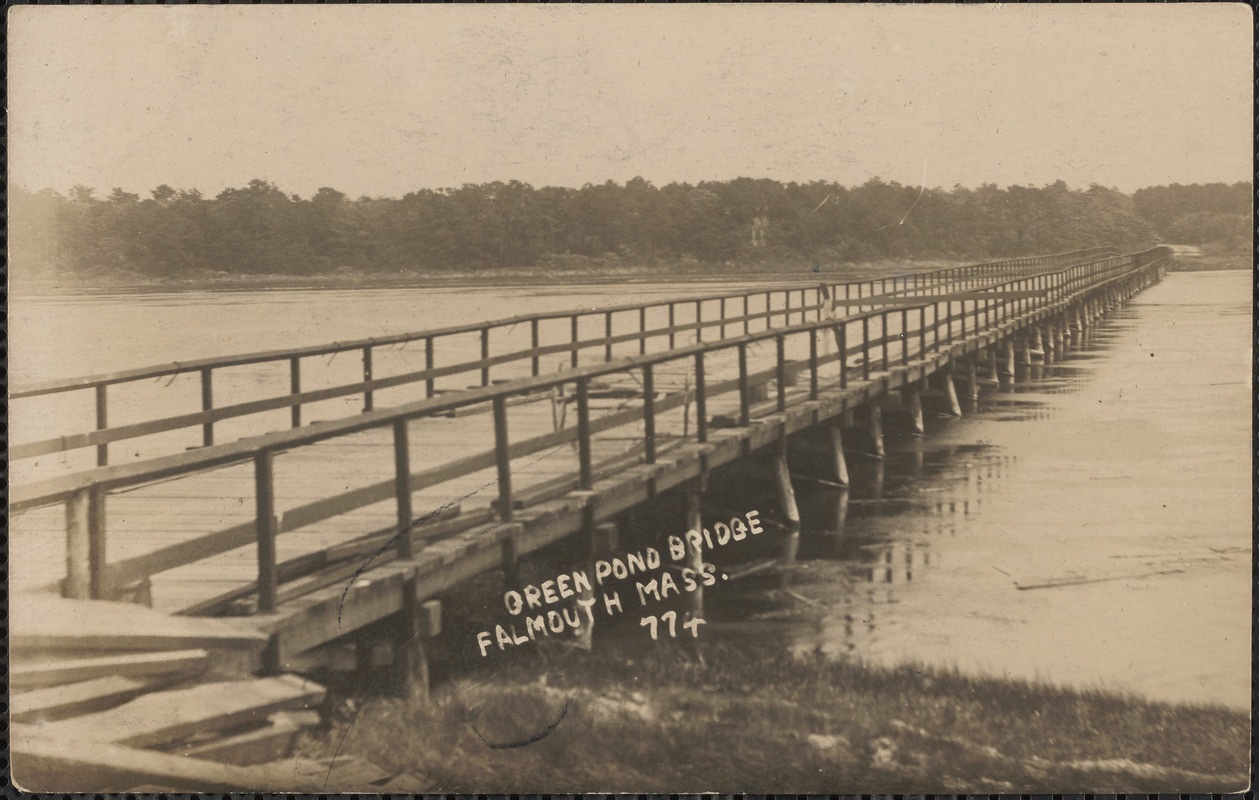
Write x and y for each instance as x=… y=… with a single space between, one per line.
x=418 y=622
x=913 y=399
x=950 y=394
x=1006 y=370
x=787 y=498
x=694 y=555
x=835 y=433
x=875 y=421
x=600 y=541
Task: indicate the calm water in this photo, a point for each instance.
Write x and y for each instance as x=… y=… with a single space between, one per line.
x=1116 y=491
x=1122 y=480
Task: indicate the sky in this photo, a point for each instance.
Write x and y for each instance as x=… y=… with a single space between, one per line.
x=381 y=100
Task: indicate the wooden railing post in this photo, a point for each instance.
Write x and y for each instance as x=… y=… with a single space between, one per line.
x=745 y=400
x=295 y=387
x=922 y=331
x=649 y=412
x=428 y=364
x=672 y=333
x=485 y=354
x=207 y=404
x=534 y=342
x=699 y=321
x=583 y=434
x=266 y=527
x=813 y=334
x=402 y=486
x=904 y=336
x=723 y=318
x=77 y=585
x=746 y=321
x=701 y=400
x=502 y=458
x=642 y=330
x=865 y=348
x=884 y=336
x=843 y=354
x=102 y=422
x=607 y=328
x=85 y=545
x=367 y=376
x=780 y=372
x=574 y=354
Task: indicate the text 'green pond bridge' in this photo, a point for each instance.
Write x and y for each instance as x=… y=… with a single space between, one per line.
x=222 y=518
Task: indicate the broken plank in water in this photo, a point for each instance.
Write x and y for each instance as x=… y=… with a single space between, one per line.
x=164 y=718
x=1053 y=584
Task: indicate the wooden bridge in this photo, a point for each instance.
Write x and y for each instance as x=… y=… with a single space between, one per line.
x=175 y=530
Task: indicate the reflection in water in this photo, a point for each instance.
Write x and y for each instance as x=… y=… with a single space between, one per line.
x=1112 y=483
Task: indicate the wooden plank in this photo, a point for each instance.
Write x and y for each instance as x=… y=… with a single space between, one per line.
x=75 y=699
x=136 y=665
x=271 y=742
x=51 y=763
x=163 y=718
x=51 y=623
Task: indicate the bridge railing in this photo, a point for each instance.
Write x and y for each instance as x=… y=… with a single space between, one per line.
x=866 y=343
x=640 y=326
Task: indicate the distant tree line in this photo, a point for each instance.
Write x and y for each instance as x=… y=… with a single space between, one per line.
x=259 y=229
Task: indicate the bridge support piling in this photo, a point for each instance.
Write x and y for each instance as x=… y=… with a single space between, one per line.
x=1025 y=358
x=600 y=541
x=418 y=622
x=694 y=555
x=1005 y=373
x=835 y=432
x=875 y=421
x=787 y=498
x=972 y=383
x=950 y=395
x=913 y=400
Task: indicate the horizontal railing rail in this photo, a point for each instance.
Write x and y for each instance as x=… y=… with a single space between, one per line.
x=921 y=329
x=735 y=312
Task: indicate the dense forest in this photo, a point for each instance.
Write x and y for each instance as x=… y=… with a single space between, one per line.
x=742 y=223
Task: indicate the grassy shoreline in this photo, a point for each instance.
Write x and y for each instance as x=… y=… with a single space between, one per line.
x=752 y=718
x=785 y=272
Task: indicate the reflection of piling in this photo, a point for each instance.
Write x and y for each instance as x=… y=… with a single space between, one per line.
x=833 y=539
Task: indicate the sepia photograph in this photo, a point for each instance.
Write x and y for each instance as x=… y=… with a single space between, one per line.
x=681 y=399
